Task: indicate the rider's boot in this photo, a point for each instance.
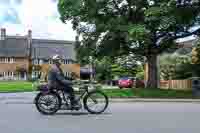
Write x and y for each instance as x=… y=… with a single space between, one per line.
x=75 y=103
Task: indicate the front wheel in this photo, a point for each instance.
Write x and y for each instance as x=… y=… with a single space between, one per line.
x=95 y=102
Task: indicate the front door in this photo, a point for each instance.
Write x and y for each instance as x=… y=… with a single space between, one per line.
x=23 y=75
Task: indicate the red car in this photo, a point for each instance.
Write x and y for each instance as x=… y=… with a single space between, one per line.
x=125 y=82
x=129 y=82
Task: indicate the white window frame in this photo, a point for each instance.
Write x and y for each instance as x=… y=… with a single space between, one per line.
x=66 y=61
x=3 y=60
x=6 y=60
x=11 y=60
x=50 y=61
x=35 y=62
x=40 y=61
x=4 y=74
x=12 y=74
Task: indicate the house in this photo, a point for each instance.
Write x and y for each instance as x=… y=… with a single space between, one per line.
x=14 y=53
x=22 y=56
x=43 y=50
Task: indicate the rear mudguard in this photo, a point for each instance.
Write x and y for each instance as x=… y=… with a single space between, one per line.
x=43 y=88
x=46 y=91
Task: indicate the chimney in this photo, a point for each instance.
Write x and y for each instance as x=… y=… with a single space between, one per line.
x=3 y=34
x=30 y=34
x=29 y=37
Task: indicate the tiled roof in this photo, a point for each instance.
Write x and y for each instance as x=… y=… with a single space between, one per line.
x=47 y=48
x=16 y=47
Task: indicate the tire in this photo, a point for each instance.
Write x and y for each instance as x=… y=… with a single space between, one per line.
x=53 y=110
x=86 y=102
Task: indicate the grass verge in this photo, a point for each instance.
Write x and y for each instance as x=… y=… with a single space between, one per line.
x=16 y=86
x=147 y=93
x=22 y=86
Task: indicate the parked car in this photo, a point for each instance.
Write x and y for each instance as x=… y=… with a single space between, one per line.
x=125 y=82
x=129 y=82
x=138 y=83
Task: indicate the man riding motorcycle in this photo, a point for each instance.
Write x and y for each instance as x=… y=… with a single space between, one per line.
x=56 y=79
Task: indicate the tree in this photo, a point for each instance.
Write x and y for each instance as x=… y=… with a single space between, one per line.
x=196 y=59
x=108 y=69
x=123 y=27
x=196 y=53
x=103 y=69
x=175 y=66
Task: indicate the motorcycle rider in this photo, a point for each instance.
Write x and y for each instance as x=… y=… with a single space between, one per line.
x=57 y=79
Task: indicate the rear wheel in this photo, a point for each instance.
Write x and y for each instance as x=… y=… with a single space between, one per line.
x=48 y=103
x=95 y=102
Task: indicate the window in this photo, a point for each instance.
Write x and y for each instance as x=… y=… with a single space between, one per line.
x=67 y=74
x=12 y=60
x=66 y=61
x=70 y=61
x=50 y=61
x=1 y=75
x=40 y=61
x=9 y=74
x=12 y=74
x=4 y=74
x=6 y=60
x=36 y=62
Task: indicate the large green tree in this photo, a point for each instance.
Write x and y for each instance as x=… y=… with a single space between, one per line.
x=123 y=27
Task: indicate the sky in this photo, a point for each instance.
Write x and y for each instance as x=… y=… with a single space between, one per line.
x=40 y=16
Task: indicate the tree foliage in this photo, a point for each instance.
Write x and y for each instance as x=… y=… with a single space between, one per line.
x=196 y=53
x=108 y=69
x=122 y=27
x=175 y=66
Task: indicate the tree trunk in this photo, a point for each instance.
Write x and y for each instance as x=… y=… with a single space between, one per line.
x=152 y=71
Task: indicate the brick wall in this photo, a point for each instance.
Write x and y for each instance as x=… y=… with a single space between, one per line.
x=65 y=67
x=19 y=62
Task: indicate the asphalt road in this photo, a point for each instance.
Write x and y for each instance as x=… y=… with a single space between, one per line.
x=119 y=118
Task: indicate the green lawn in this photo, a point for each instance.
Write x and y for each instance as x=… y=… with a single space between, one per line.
x=15 y=86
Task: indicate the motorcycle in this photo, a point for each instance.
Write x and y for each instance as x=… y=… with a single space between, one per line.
x=49 y=101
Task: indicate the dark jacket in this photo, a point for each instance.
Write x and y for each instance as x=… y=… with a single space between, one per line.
x=56 y=77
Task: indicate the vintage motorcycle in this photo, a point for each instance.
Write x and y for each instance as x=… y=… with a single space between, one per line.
x=49 y=101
